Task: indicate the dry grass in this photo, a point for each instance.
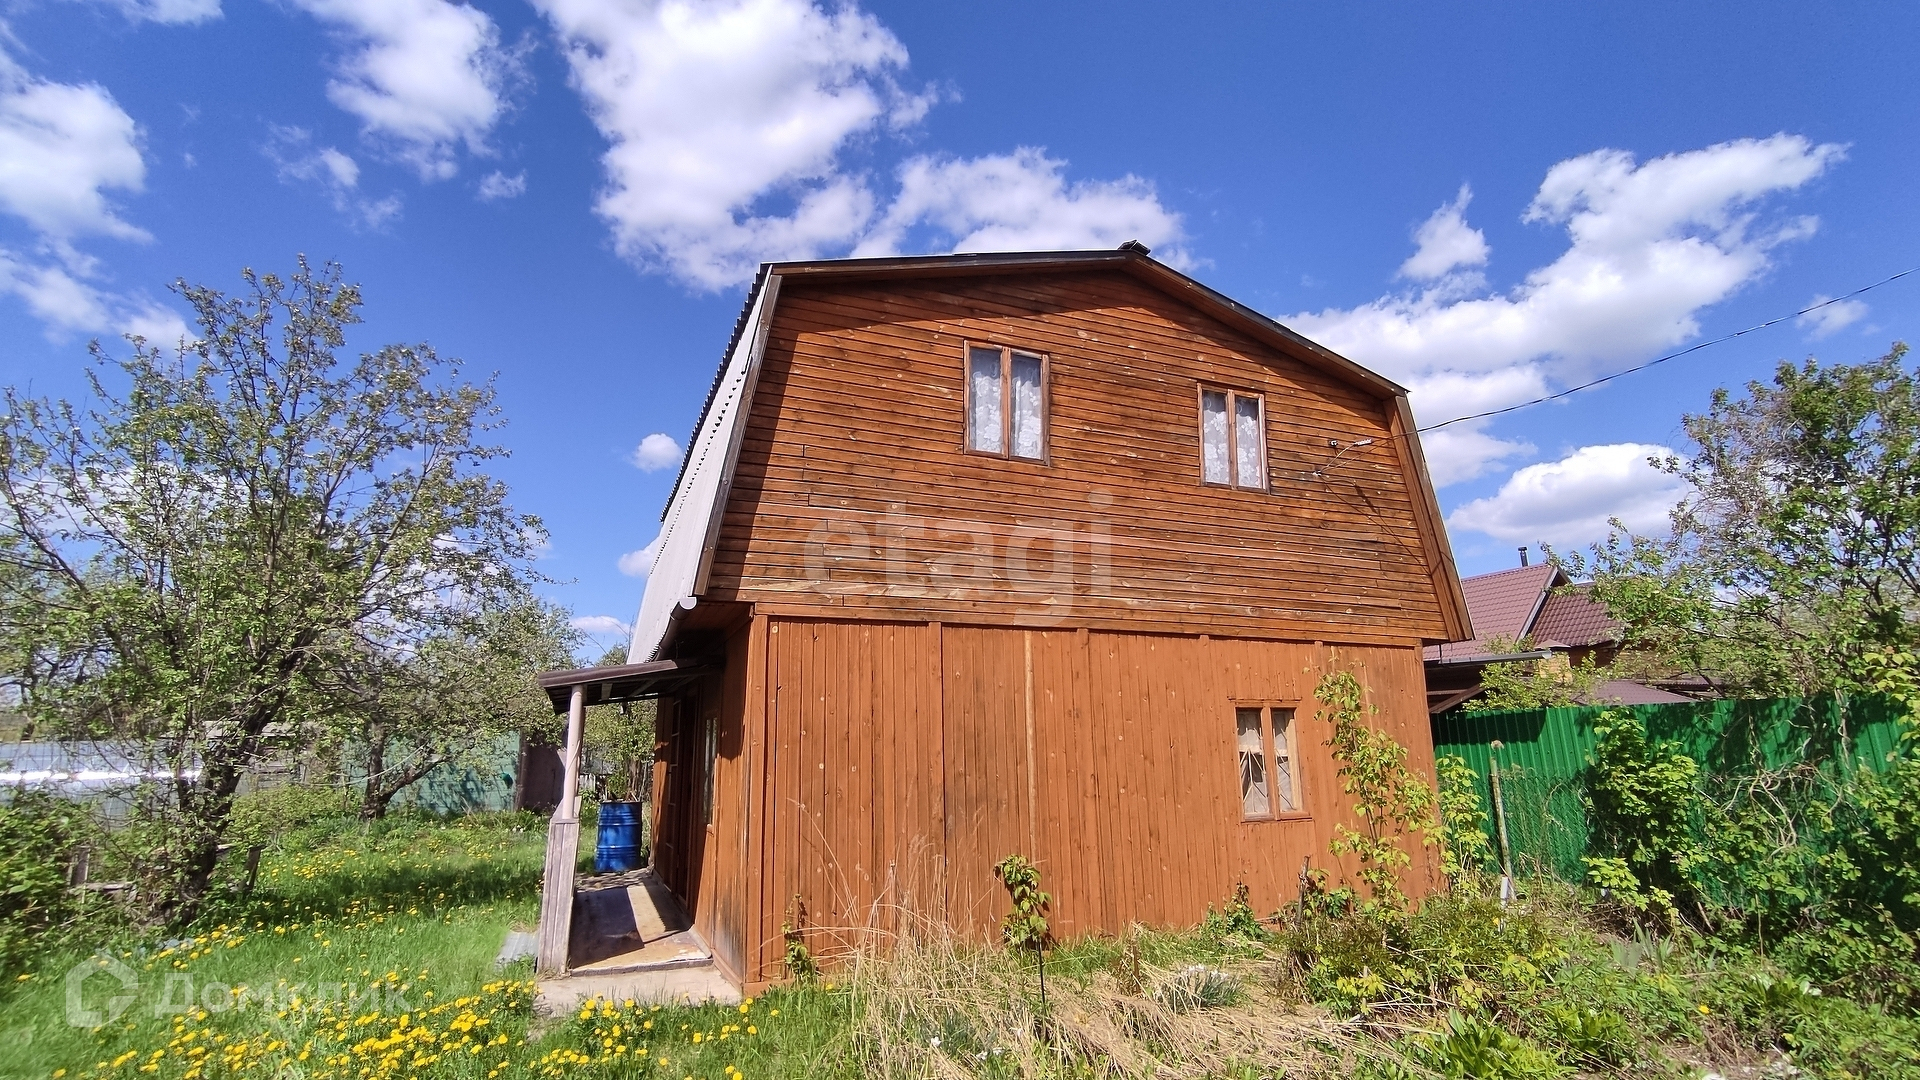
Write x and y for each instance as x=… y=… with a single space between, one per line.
x=938 y=1006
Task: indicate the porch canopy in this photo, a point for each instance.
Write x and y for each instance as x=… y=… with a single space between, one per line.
x=571 y=692
x=627 y=682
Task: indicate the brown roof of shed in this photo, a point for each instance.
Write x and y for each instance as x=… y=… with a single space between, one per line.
x=1504 y=603
x=1533 y=602
x=1571 y=617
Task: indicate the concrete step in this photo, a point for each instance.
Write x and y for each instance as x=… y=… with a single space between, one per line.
x=690 y=983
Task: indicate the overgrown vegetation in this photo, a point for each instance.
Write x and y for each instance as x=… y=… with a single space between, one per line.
x=362 y=922
x=1393 y=805
x=251 y=543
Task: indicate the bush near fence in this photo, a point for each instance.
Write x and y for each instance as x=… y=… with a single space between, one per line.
x=1545 y=753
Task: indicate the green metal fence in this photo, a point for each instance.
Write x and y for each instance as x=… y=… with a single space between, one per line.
x=1544 y=753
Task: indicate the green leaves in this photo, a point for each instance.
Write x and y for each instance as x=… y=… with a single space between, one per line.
x=1389 y=800
x=205 y=557
x=1796 y=560
x=1025 y=927
x=1465 y=846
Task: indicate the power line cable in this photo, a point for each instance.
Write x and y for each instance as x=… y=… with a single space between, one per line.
x=1570 y=391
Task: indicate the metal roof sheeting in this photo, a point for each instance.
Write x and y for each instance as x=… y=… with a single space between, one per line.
x=686 y=532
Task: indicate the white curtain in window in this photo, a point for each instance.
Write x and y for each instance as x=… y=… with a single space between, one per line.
x=1283 y=759
x=983 y=418
x=1254 y=800
x=1213 y=436
x=1027 y=406
x=1248 y=440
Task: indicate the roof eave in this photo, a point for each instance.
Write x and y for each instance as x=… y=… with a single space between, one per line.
x=1137 y=263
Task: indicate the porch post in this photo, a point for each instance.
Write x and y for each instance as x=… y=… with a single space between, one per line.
x=563 y=846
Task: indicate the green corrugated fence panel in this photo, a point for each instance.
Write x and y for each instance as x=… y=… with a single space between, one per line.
x=479 y=781
x=1543 y=757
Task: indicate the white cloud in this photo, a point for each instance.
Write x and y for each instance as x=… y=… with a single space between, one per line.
x=655 y=452
x=498 y=185
x=727 y=123
x=640 y=563
x=62 y=298
x=62 y=148
x=1462 y=452
x=710 y=107
x=178 y=12
x=1568 y=502
x=1651 y=245
x=291 y=150
x=1021 y=201
x=601 y=624
x=427 y=76
x=1446 y=242
x=1834 y=317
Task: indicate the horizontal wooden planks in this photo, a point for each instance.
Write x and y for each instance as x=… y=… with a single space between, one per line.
x=857 y=421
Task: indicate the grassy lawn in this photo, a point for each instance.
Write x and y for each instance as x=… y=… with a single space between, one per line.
x=368 y=954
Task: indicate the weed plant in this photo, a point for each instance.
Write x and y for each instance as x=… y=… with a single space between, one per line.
x=367 y=953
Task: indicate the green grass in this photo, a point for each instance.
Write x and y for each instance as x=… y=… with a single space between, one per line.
x=367 y=953
x=404 y=917
x=352 y=928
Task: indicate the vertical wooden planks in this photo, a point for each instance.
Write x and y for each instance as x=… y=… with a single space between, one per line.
x=891 y=747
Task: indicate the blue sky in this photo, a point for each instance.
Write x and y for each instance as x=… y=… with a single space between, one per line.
x=1483 y=202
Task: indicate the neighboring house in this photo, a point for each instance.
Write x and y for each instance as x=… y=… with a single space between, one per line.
x=1541 y=607
x=977 y=555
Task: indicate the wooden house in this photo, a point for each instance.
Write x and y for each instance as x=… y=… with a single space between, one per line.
x=1043 y=553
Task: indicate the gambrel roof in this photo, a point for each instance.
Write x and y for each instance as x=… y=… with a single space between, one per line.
x=690 y=525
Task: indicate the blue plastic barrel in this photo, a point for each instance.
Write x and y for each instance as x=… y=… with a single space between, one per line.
x=617 y=847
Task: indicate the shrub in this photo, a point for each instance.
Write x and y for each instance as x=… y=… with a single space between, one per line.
x=1455 y=951
x=1464 y=845
x=1644 y=807
x=39 y=836
x=1391 y=801
x=263 y=816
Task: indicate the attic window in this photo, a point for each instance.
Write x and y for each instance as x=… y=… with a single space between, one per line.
x=1263 y=740
x=1006 y=402
x=1233 y=439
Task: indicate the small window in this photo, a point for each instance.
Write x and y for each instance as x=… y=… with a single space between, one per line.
x=1006 y=402
x=1263 y=740
x=1233 y=439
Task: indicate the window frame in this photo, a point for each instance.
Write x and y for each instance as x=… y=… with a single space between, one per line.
x=1294 y=778
x=1233 y=435
x=1005 y=453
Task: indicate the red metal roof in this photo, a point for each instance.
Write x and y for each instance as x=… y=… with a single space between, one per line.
x=1570 y=617
x=1503 y=603
x=1531 y=602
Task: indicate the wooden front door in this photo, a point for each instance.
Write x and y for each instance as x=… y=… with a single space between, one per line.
x=688 y=727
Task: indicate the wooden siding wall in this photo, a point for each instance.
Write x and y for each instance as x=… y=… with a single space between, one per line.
x=903 y=760
x=852 y=495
